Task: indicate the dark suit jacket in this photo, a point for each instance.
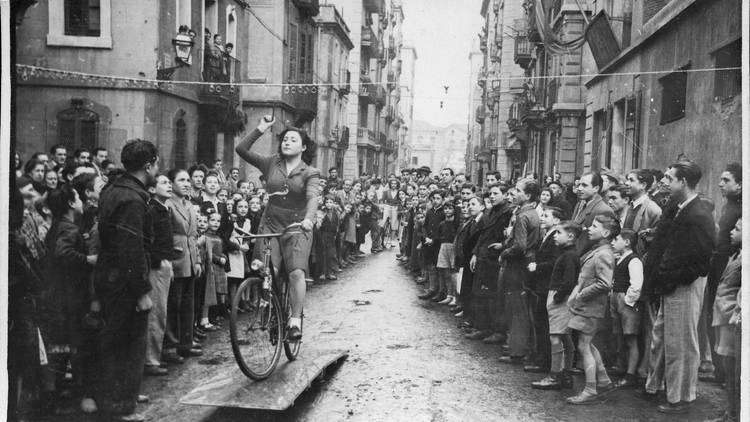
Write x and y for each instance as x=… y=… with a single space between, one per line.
x=546 y=256
x=584 y=215
x=689 y=242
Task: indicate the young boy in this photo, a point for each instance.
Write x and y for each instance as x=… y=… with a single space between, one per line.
x=160 y=274
x=726 y=322
x=623 y=303
x=328 y=229
x=588 y=303
x=562 y=281
x=446 y=235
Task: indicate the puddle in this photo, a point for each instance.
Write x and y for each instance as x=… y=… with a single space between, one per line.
x=397 y=346
x=373 y=291
x=360 y=302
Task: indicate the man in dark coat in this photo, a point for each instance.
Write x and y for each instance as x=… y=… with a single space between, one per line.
x=730 y=185
x=519 y=253
x=431 y=245
x=121 y=279
x=686 y=241
x=487 y=309
x=590 y=204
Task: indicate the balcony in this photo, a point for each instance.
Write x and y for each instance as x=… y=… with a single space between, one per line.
x=397 y=94
x=482 y=78
x=221 y=92
x=533 y=32
x=480 y=114
x=366 y=89
x=307 y=8
x=392 y=47
x=370 y=41
x=366 y=136
x=374 y=6
x=380 y=96
x=399 y=62
x=391 y=80
x=388 y=115
x=483 y=43
x=522 y=55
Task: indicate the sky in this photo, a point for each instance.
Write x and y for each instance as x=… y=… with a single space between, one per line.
x=442 y=32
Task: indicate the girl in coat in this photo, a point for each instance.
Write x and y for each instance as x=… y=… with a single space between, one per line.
x=66 y=298
x=216 y=276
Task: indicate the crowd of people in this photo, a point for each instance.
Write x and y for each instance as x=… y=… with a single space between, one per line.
x=625 y=279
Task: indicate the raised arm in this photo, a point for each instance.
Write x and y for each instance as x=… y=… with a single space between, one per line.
x=243 y=148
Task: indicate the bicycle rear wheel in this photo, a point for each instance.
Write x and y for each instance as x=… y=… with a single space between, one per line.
x=291 y=348
x=256 y=335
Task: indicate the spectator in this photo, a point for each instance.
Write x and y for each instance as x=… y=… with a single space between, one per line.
x=160 y=274
x=59 y=156
x=680 y=280
x=82 y=156
x=590 y=205
x=99 y=157
x=121 y=282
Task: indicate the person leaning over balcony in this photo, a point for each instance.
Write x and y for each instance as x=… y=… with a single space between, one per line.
x=288 y=171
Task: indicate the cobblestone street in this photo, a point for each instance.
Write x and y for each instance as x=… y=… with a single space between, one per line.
x=407 y=361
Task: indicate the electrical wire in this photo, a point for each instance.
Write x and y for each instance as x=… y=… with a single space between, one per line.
x=24 y=72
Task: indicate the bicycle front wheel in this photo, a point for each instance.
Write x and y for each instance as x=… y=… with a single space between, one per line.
x=257 y=334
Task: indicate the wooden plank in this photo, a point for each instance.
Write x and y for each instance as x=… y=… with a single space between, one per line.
x=231 y=388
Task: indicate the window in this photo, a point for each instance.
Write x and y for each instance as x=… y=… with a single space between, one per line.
x=211 y=12
x=414 y=161
x=302 y=55
x=77 y=127
x=180 y=144
x=293 y=33
x=728 y=83
x=79 y=23
x=674 y=87
x=183 y=15
x=83 y=18
x=231 y=36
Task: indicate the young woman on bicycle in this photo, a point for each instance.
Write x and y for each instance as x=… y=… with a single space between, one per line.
x=292 y=185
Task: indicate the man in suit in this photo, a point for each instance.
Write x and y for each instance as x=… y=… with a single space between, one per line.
x=520 y=252
x=686 y=241
x=590 y=204
x=186 y=266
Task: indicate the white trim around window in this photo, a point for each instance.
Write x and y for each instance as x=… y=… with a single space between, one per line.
x=56 y=35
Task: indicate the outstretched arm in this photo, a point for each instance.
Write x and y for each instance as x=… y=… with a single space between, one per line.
x=243 y=148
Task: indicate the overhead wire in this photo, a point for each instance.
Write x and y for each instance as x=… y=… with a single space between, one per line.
x=23 y=71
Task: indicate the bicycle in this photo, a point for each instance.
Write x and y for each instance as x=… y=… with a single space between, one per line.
x=258 y=334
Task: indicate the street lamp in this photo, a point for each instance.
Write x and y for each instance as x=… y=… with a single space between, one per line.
x=183 y=46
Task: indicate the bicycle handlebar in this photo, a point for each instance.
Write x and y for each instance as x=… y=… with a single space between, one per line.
x=246 y=235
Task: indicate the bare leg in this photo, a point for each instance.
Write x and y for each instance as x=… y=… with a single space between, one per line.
x=297 y=289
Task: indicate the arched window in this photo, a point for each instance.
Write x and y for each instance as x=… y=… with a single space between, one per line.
x=211 y=13
x=180 y=144
x=77 y=126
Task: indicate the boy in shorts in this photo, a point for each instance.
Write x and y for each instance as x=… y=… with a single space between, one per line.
x=562 y=282
x=623 y=303
x=588 y=302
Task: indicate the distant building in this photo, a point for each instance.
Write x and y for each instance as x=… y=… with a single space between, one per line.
x=406 y=67
x=438 y=147
x=330 y=130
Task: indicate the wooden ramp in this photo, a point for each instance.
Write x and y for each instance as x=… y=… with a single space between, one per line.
x=231 y=388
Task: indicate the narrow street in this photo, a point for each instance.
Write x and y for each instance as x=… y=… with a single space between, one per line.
x=407 y=360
